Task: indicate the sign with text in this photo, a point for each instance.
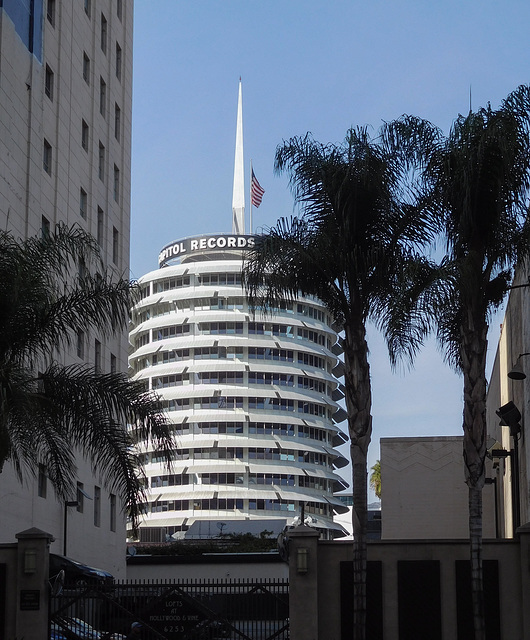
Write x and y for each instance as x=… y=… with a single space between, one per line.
x=29 y=600
x=175 y=614
x=204 y=244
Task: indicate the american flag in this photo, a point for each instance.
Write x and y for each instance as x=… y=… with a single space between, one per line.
x=256 y=191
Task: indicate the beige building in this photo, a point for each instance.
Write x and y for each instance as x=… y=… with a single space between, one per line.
x=65 y=156
x=424 y=493
x=510 y=383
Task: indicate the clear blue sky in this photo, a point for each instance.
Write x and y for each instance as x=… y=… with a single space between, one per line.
x=306 y=65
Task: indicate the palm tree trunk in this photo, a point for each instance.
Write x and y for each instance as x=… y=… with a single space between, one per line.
x=360 y=518
x=474 y=347
x=475 y=540
x=358 y=405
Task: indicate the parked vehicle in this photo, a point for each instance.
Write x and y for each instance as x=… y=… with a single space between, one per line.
x=212 y=630
x=77 y=573
x=76 y=629
x=56 y=633
x=64 y=628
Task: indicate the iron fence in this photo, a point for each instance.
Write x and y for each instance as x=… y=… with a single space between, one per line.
x=178 y=610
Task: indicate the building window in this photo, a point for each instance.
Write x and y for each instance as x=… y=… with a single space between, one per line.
x=27 y=20
x=88 y=7
x=81 y=269
x=48 y=83
x=84 y=135
x=100 y=227
x=117 y=122
x=102 y=97
x=80 y=497
x=83 y=198
x=116 y=184
x=118 y=61
x=101 y=162
x=97 y=506
x=50 y=12
x=81 y=344
x=47 y=157
x=113 y=363
x=103 y=34
x=97 y=356
x=42 y=482
x=112 y=500
x=86 y=68
x=115 y=245
x=45 y=227
x=119 y=9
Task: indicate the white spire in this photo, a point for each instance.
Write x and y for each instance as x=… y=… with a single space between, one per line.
x=238 y=195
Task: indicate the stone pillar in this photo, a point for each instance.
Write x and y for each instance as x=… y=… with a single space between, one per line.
x=303 y=583
x=32 y=588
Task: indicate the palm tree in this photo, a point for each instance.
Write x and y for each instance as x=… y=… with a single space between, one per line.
x=50 y=411
x=476 y=185
x=375 y=479
x=352 y=247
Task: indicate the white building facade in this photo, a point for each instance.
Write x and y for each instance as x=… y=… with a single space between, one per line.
x=252 y=398
x=65 y=157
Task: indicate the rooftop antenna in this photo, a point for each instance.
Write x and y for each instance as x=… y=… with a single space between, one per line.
x=470 y=109
x=238 y=195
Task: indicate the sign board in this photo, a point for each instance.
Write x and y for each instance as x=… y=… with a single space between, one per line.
x=174 y=614
x=204 y=244
x=29 y=600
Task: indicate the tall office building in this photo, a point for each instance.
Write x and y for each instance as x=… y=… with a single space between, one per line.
x=65 y=156
x=251 y=397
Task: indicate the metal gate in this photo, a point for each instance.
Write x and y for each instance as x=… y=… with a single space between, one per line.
x=179 y=610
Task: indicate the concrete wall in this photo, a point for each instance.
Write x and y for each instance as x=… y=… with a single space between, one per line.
x=424 y=493
x=27 y=589
x=210 y=566
x=315 y=595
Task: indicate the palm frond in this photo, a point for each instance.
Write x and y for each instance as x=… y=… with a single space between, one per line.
x=52 y=417
x=43 y=303
x=359 y=217
x=37 y=326
x=284 y=264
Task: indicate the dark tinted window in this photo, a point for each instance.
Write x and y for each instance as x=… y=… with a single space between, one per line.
x=27 y=18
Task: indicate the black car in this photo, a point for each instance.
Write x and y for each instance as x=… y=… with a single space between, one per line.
x=78 y=574
x=212 y=630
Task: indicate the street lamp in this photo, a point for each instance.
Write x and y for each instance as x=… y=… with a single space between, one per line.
x=510 y=417
x=68 y=503
x=72 y=503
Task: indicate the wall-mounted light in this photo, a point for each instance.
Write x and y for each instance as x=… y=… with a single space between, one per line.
x=302 y=557
x=30 y=561
x=517 y=372
x=510 y=417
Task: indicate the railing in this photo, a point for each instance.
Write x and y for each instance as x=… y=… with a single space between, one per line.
x=183 y=610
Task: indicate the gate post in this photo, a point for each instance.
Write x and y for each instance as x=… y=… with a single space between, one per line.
x=32 y=589
x=303 y=583
x=523 y=533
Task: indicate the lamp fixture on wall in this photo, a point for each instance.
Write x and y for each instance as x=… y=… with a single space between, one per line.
x=511 y=417
x=30 y=561
x=302 y=556
x=517 y=372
